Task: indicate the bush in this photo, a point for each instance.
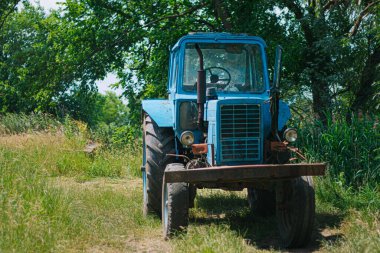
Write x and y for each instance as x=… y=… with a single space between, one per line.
x=116 y=136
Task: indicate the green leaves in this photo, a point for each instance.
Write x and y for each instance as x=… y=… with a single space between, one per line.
x=44 y=58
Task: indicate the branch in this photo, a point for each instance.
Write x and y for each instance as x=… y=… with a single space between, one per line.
x=340 y=92
x=115 y=9
x=364 y=13
x=297 y=112
x=127 y=32
x=8 y=13
x=189 y=11
x=206 y=23
x=297 y=10
x=222 y=13
x=127 y=16
x=330 y=4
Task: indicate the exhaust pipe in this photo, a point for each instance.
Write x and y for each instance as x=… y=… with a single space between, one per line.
x=275 y=94
x=201 y=89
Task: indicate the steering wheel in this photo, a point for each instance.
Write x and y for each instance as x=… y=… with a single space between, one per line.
x=214 y=79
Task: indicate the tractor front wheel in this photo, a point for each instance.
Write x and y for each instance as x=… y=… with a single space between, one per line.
x=295 y=202
x=175 y=204
x=262 y=202
x=158 y=142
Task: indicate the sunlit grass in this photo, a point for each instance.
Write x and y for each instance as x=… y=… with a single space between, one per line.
x=54 y=197
x=40 y=213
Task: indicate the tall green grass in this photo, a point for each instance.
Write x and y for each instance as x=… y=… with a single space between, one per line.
x=119 y=152
x=349 y=149
x=48 y=201
x=11 y=123
x=30 y=211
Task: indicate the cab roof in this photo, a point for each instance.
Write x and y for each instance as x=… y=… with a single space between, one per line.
x=217 y=36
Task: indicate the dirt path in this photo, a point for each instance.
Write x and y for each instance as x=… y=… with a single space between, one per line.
x=215 y=208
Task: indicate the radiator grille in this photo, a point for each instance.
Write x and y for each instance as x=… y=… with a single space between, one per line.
x=240 y=132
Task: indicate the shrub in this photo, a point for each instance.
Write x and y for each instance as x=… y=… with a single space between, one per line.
x=116 y=136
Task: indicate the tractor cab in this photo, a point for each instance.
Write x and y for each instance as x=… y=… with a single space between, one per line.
x=235 y=65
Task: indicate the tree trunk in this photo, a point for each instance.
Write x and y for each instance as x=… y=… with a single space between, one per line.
x=366 y=88
x=315 y=59
x=317 y=63
x=221 y=12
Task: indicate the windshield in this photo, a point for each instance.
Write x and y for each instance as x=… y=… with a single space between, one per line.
x=232 y=68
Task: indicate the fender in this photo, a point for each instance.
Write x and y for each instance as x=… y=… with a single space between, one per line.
x=160 y=110
x=283 y=116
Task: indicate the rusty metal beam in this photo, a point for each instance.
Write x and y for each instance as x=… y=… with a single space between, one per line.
x=245 y=173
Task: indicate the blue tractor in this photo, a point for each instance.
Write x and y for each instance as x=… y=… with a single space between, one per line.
x=223 y=126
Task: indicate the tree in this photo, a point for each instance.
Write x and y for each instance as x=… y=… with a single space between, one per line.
x=36 y=73
x=142 y=31
x=331 y=48
x=111 y=110
x=7 y=7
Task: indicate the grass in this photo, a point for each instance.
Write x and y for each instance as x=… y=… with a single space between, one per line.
x=52 y=202
x=352 y=150
x=22 y=123
x=56 y=198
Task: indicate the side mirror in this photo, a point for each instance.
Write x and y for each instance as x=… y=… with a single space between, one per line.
x=277 y=68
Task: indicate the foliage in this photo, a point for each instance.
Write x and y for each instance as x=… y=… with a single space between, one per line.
x=37 y=74
x=7 y=8
x=113 y=135
x=30 y=76
x=50 y=62
x=132 y=38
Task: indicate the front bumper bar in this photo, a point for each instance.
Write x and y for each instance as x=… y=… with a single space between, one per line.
x=245 y=173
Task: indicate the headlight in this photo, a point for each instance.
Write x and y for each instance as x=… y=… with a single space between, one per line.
x=187 y=138
x=290 y=134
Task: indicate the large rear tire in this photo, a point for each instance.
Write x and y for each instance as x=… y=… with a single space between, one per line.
x=262 y=202
x=158 y=142
x=175 y=205
x=295 y=201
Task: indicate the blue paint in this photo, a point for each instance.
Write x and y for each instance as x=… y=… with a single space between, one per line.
x=161 y=111
x=283 y=115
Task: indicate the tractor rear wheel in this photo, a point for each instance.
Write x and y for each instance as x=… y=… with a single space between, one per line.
x=295 y=201
x=158 y=142
x=175 y=205
x=262 y=202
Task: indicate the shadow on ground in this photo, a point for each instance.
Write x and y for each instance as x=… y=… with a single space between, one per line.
x=260 y=232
